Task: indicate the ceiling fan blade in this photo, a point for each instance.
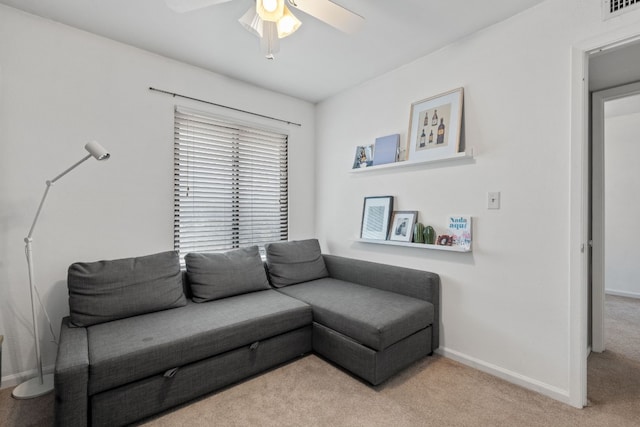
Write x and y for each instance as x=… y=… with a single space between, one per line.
x=182 y=6
x=330 y=13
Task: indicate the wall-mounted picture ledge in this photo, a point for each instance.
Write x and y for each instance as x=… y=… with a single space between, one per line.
x=465 y=155
x=415 y=245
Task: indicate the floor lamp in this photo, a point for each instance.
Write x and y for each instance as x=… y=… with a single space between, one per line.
x=43 y=384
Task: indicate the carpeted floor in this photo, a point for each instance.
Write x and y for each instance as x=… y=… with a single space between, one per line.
x=436 y=391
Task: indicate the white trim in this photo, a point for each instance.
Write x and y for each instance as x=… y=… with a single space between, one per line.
x=507 y=375
x=578 y=274
x=578 y=321
x=598 y=287
x=15 y=379
x=597 y=221
x=622 y=293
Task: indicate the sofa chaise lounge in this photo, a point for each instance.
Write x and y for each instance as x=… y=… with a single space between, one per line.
x=143 y=336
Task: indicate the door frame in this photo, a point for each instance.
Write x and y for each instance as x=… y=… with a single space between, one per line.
x=579 y=207
x=598 y=99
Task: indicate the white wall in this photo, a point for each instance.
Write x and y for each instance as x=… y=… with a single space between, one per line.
x=505 y=307
x=60 y=87
x=622 y=207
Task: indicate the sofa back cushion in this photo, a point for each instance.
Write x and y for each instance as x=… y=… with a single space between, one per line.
x=295 y=262
x=219 y=275
x=108 y=290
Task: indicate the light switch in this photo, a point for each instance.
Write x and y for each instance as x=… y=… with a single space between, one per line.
x=493 y=200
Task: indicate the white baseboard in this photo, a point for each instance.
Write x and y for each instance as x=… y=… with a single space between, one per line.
x=19 y=378
x=509 y=376
x=622 y=293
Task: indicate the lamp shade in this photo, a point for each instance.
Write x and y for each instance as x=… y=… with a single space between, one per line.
x=252 y=22
x=97 y=150
x=270 y=10
x=288 y=24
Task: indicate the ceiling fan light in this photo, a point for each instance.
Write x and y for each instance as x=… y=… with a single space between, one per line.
x=269 y=42
x=270 y=10
x=252 y=22
x=288 y=24
x=270 y=5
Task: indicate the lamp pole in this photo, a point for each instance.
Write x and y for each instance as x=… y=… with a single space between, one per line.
x=43 y=384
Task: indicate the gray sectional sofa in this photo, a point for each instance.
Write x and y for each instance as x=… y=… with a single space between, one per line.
x=143 y=336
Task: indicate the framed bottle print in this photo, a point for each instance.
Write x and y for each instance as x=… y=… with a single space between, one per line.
x=434 y=126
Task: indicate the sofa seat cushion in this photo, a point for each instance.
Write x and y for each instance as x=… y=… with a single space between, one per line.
x=373 y=317
x=130 y=349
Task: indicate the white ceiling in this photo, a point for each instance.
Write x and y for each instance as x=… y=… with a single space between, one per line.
x=313 y=64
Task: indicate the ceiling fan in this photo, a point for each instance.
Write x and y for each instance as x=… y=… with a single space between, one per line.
x=272 y=20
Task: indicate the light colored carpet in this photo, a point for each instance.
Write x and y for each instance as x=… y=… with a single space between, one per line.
x=435 y=391
x=614 y=375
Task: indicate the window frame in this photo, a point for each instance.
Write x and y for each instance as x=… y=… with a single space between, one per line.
x=242 y=147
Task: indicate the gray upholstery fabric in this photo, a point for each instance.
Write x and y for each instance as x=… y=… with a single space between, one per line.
x=295 y=262
x=414 y=283
x=219 y=275
x=151 y=395
x=370 y=316
x=373 y=366
x=71 y=376
x=387 y=318
x=130 y=349
x=108 y=290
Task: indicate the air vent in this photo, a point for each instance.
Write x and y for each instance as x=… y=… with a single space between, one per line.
x=611 y=8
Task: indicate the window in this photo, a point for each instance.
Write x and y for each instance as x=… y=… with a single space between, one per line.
x=230 y=184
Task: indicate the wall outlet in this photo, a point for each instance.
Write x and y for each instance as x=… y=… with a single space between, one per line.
x=493 y=200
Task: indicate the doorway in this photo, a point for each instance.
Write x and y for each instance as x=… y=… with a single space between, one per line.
x=615 y=124
x=614 y=104
x=613 y=185
x=598 y=63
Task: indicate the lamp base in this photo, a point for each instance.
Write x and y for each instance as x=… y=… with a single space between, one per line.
x=33 y=388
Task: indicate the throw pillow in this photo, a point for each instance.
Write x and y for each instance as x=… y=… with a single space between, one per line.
x=219 y=275
x=295 y=262
x=108 y=290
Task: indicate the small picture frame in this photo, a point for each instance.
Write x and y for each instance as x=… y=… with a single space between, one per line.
x=434 y=127
x=387 y=148
x=402 y=223
x=363 y=157
x=376 y=214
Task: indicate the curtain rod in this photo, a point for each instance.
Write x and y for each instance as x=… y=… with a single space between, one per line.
x=223 y=106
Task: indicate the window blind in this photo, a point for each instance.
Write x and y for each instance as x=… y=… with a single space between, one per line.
x=230 y=184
